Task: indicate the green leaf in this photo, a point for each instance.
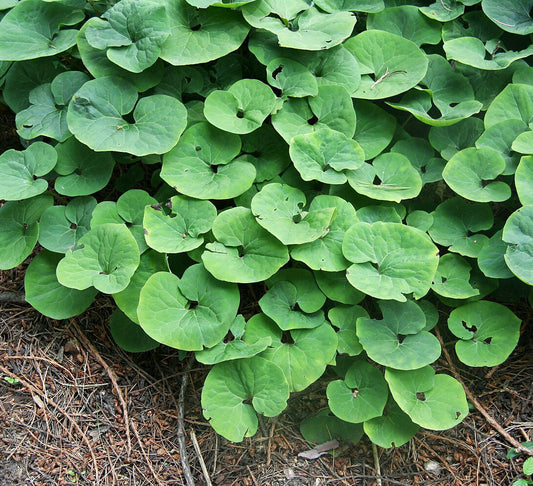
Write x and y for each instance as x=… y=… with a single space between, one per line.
x=518 y=233
x=515 y=102
x=491 y=260
x=128 y=335
x=279 y=209
x=47 y=295
x=131 y=34
x=47 y=113
x=470 y=174
x=337 y=288
x=448 y=140
x=375 y=128
x=406 y=21
x=201 y=35
x=524 y=180
x=128 y=210
x=444 y=10
x=182 y=228
x=510 y=15
x=242 y=108
x=99 y=65
x=422 y=157
x=452 y=279
x=188 y=313
x=344 y=319
x=433 y=401
x=202 y=164
x=528 y=466
x=325 y=155
x=294 y=351
x=350 y=5
x=523 y=142
x=390 y=177
x=33 y=29
x=399 y=340
x=361 y=396
x=244 y=252
x=127 y=300
x=324 y=426
x=488 y=333
x=20 y=228
x=96 y=111
x=472 y=51
x=215 y=3
x=228 y=388
x=106 y=258
x=81 y=171
x=332 y=108
x=471 y=24
x=389 y=64
x=20 y=171
x=325 y=253
x=455 y=223
x=61 y=227
x=390 y=260
x=292 y=78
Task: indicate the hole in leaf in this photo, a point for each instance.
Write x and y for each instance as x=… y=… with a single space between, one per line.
x=313 y=120
x=453 y=104
x=355 y=392
x=325 y=168
x=229 y=337
x=488 y=340
x=421 y=396
x=196 y=27
x=240 y=113
x=193 y=304
x=277 y=71
x=198 y=148
x=376 y=181
x=471 y=328
x=286 y=337
x=457 y=415
x=73 y=226
x=297 y=218
x=401 y=338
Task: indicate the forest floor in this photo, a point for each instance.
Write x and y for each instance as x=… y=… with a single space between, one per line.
x=76 y=409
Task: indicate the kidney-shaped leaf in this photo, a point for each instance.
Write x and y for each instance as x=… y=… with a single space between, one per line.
x=514 y=102
x=20 y=171
x=242 y=108
x=362 y=394
x=106 y=258
x=47 y=295
x=435 y=402
x=510 y=15
x=187 y=313
x=229 y=386
x=524 y=180
x=96 y=111
x=487 y=331
x=389 y=64
x=20 y=228
x=399 y=340
x=33 y=29
x=518 y=234
x=470 y=174
x=131 y=34
x=390 y=260
x=452 y=279
x=244 y=252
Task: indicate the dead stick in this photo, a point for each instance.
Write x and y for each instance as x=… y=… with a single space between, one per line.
x=489 y=418
x=13 y=297
x=34 y=390
x=181 y=427
x=200 y=458
x=113 y=378
x=376 y=464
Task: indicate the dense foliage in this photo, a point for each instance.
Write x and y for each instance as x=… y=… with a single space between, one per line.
x=282 y=187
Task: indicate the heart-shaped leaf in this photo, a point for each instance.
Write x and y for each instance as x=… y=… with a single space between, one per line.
x=362 y=394
x=20 y=228
x=452 y=278
x=324 y=426
x=96 y=118
x=291 y=77
x=488 y=332
x=510 y=15
x=433 y=401
x=337 y=288
x=390 y=260
x=230 y=385
x=422 y=157
x=244 y=252
x=187 y=313
x=106 y=258
x=344 y=319
x=491 y=258
x=47 y=295
x=20 y=171
x=518 y=234
x=398 y=340
x=515 y=102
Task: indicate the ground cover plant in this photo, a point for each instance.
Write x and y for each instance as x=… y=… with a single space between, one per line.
x=286 y=189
